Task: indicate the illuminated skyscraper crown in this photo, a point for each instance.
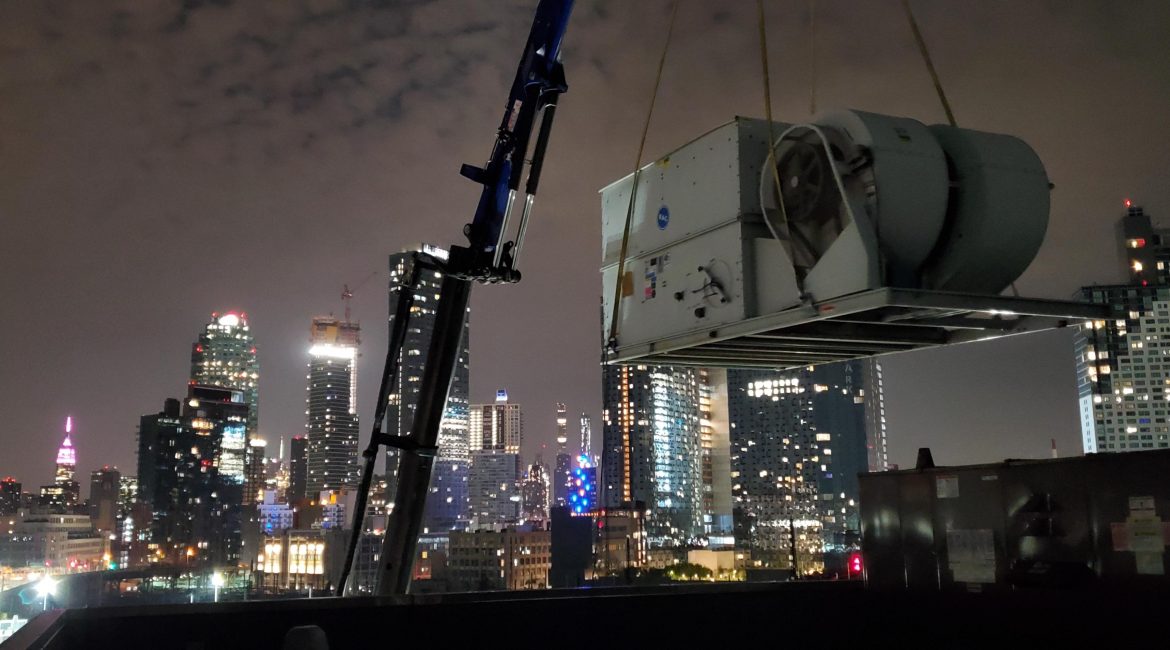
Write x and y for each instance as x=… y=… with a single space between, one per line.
x=66 y=454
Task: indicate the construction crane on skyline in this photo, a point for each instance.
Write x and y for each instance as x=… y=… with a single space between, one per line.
x=347 y=293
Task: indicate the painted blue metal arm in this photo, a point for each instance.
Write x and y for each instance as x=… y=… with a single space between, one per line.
x=539 y=81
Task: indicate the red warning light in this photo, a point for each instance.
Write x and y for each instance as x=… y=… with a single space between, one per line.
x=855 y=565
x=1128 y=203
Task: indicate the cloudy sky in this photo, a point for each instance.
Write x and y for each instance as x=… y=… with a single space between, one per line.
x=161 y=160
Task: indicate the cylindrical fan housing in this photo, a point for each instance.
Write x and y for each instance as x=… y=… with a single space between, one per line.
x=905 y=186
x=998 y=215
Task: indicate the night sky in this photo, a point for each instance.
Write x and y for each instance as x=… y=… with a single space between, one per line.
x=163 y=160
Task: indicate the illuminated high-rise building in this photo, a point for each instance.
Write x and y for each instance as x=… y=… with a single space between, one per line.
x=799 y=438
x=562 y=468
x=276 y=472
x=582 y=487
x=447 y=500
x=497 y=431
x=132 y=532
x=534 y=491
x=494 y=489
x=652 y=454
x=715 y=442
x=228 y=409
x=65 y=492
x=331 y=406
x=587 y=435
x=254 y=478
x=66 y=457
x=1121 y=362
x=223 y=413
x=10 y=491
x=499 y=426
x=195 y=506
x=225 y=356
x=563 y=465
x=562 y=426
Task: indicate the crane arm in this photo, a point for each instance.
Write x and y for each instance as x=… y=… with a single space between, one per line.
x=531 y=105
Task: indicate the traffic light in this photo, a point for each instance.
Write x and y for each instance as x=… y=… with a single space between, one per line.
x=855 y=565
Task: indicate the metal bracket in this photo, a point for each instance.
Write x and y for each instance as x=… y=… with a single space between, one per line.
x=404 y=443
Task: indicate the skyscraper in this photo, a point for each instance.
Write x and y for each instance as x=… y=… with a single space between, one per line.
x=298 y=469
x=104 y=487
x=133 y=524
x=66 y=457
x=225 y=356
x=562 y=426
x=587 y=436
x=499 y=425
x=228 y=408
x=582 y=487
x=497 y=431
x=1124 y=400
x=563 y=468
x=447 y=500
x=331 y=405
x=65 y=492
x=714 y=439
x=494 y=489
x=223 y=413
x=534 y=491
x=652 y=449
x=798 y=440
x=195 y=508
x=254 y=479
x=10 y=490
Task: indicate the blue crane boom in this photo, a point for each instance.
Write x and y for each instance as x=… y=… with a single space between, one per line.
x=540 y=79
x=488 y=257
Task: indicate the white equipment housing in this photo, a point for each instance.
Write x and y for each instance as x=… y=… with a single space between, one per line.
x=887 y=235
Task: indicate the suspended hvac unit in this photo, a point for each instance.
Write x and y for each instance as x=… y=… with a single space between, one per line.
x=885 y=235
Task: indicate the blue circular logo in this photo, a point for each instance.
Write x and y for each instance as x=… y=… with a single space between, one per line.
x=663 y=217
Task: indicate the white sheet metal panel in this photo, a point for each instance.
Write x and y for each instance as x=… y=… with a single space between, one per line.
x=695 y=218
x=707 y=182
x=670 y=294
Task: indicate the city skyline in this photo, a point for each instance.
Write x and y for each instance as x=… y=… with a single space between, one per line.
x=60 y=243
x=807 y=369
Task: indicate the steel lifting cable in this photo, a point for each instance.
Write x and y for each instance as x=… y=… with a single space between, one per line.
x=770 y=160
x=812 y=57
x=621 y=270
x=942 y=96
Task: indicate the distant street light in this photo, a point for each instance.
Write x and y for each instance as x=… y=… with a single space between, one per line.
x=216 y=583
x=45 y=588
